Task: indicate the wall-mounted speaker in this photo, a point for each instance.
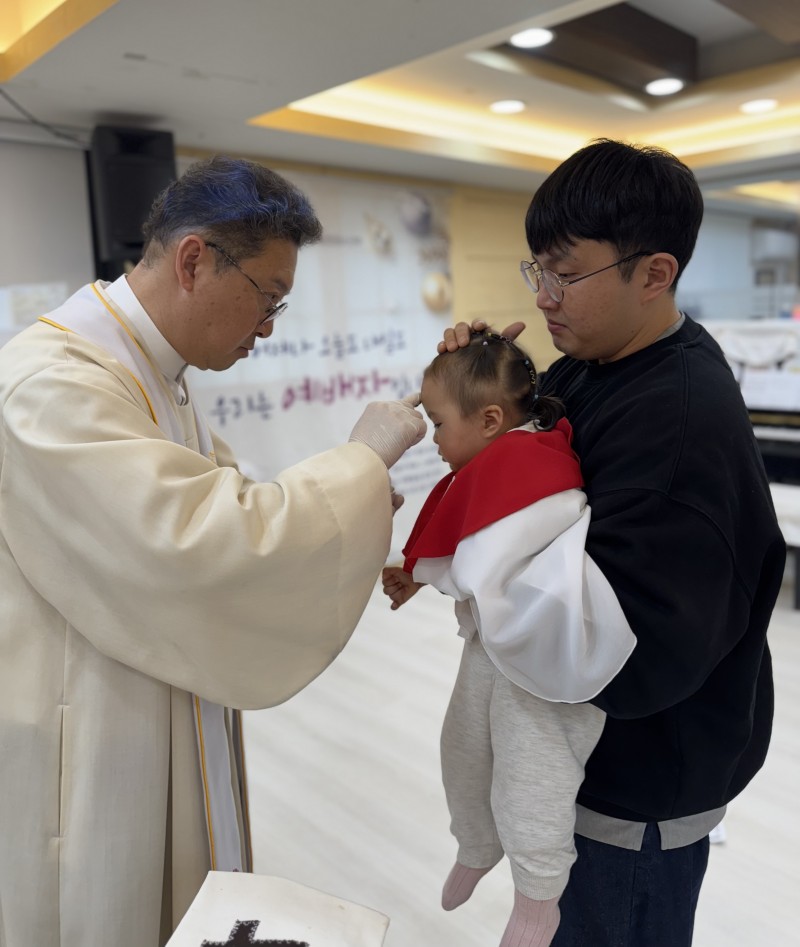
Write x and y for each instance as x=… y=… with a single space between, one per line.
x=128 y=168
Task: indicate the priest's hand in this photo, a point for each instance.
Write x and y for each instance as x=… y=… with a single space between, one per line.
x=390 y=427
x=458 y=336
x=399 y=585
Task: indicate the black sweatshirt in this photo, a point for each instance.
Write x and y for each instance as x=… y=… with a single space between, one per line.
x=684 y=530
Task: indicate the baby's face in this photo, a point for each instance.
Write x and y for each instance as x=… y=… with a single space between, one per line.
x=458 y=438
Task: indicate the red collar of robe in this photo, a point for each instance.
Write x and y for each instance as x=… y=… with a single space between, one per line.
x=513 y=472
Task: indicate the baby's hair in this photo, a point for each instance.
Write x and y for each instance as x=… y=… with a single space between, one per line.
x=494 y=370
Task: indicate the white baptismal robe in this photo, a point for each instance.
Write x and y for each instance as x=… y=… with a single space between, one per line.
x=546 y=615
x=133 y=573
x=505 y=537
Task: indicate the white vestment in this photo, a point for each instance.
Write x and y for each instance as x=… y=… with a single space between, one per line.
x=135 y=572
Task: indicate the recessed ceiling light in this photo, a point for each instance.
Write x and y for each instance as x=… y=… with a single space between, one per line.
x=756 y=106
x=664 y=86
x=507 y=106
x=530 y=39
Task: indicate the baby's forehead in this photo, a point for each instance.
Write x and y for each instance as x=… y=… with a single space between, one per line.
x=433 y=393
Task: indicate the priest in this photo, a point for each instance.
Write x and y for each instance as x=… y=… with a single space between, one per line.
x=147 y=587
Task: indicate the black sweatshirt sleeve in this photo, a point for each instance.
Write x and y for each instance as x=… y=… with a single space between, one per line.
x=677 y=583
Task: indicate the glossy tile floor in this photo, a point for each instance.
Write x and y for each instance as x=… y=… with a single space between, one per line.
x=345 y=792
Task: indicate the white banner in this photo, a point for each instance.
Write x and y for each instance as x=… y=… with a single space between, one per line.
x=369 y=305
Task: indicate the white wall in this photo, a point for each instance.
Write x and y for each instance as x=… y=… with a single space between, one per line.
x=719 y=282
x=45 y=230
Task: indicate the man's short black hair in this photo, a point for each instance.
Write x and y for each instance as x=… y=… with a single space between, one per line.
x=634 y=197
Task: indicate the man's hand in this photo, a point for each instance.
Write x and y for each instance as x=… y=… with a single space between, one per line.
x=399 y=586
x=390 y=427
x=458 y=336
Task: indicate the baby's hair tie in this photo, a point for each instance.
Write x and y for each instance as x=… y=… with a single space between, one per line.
x=532 y=373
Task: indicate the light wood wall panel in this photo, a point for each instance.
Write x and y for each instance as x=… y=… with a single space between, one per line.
x=487 y=243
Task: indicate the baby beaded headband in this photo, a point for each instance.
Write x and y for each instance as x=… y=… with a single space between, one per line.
x=488 y=336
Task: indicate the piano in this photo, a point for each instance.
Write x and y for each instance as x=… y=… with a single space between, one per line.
x=765 y=358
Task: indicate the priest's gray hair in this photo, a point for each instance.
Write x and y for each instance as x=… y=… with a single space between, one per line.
x=233 y=202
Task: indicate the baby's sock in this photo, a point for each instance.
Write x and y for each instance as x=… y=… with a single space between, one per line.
x=460 y=884
x=532 y=923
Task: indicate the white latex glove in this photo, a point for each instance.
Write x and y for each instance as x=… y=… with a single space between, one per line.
x=390 y=427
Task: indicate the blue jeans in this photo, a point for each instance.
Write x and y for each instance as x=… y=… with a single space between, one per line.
x=621 y=898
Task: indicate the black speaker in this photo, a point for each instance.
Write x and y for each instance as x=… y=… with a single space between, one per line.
x=128 y=167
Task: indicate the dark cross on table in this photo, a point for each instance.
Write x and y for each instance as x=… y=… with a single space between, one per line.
x=243 y=934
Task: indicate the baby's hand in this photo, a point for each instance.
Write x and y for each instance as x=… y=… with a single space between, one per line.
x=399 y=586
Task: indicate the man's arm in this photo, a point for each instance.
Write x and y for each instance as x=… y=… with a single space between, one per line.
x=678 y=584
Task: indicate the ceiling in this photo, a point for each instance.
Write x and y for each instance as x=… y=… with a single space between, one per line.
x=403 y=87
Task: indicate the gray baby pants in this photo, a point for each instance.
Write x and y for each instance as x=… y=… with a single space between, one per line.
x=512 y=764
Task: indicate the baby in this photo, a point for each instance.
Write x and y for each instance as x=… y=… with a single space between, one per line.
x=504 y=534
